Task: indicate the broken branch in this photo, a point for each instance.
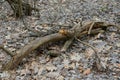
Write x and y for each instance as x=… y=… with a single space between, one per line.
x=23 y=52
x=6 y=50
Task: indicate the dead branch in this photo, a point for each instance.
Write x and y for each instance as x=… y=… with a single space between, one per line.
x=98 y=62
x=23 y=52
x=6 y=50
x=67 y=44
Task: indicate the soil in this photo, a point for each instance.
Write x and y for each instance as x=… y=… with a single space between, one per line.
x=77 y=62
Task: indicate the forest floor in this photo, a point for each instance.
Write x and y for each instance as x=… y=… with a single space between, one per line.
x=77 y=61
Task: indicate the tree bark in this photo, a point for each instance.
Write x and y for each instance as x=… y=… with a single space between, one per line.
x=20 y=8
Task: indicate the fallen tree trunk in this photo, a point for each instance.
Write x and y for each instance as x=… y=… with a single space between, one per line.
x=23 y=52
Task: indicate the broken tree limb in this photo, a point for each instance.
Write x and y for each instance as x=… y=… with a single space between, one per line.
x=23 y=52
x=69 y=41
x=75 y=30
x=91 y=27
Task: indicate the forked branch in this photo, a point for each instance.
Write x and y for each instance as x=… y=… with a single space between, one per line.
x=23 y=52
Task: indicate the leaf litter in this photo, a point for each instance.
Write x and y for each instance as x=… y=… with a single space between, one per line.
x=14 y=36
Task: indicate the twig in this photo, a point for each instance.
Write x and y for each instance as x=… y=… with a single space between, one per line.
x=67 y=44
x=112 y=24
x=6 y=50
x=37 y=33
x=91 y=26
x=86 y=44
x=98 y=62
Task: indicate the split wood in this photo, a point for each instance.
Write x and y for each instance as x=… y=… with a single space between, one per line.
x=23 y=52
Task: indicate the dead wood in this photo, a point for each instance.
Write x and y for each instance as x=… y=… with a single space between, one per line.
x=67 y=44
x=23 y=52
x=6 y=50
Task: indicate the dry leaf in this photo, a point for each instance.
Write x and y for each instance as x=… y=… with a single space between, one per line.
x=50 y=67
x=62 y=1
x=40 y=70
x=34 y=66
x=87 y=71
x=60 y=78
x=70 y=66
x=118 y=65
x=53 y=74
x=66 y=61
x=89 y=52
x=80 y=69
x=75 y=57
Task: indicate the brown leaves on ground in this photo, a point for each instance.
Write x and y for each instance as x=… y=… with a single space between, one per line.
x=87 y=71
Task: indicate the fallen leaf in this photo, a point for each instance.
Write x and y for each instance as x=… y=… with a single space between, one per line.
x=118 y=65
x=50 y=67
x=87 y=71
x=66 y=62
x=53 y=74
x=40 y=70
x=70 y=66
x=34 y=67
x=75 y=57
x=60 y=78
x=62 y=1
x=81 y=69
x=89 y=52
